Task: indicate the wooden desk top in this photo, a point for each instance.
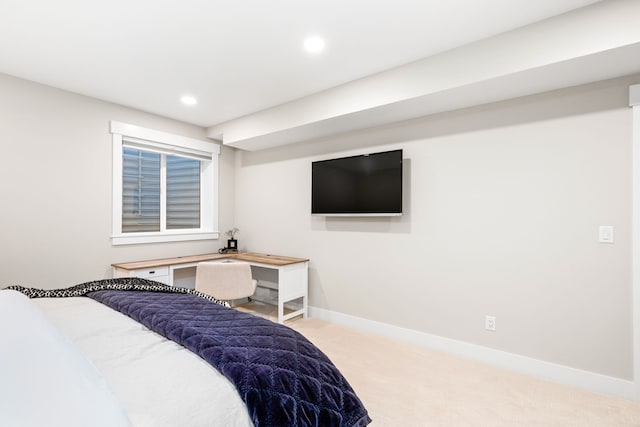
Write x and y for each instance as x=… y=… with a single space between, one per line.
x=275 y=260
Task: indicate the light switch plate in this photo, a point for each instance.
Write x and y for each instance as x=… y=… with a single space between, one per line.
x=605 y=234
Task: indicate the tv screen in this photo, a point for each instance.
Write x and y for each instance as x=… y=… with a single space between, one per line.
x=369 y=184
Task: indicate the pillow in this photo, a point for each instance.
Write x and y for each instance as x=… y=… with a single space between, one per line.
x=46 y=380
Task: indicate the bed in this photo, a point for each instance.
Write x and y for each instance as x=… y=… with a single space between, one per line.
x=132 y=352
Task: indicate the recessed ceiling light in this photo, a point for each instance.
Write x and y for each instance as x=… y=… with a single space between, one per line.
x=314 y=44
x=189 y=100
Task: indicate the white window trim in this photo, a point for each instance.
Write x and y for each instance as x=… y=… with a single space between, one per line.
x=634 y=103
x=168 y=143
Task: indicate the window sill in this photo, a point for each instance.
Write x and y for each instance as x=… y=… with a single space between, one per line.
x=140 y=238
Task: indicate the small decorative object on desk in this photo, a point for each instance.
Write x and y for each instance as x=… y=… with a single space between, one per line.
x=232 y=243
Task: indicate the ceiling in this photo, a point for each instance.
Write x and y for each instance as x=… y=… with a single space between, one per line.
x=236 y=57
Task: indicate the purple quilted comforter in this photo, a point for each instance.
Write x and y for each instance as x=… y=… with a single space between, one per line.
x=283 y=378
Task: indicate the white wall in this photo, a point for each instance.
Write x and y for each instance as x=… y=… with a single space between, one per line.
x=55 y=187
x=503 y=204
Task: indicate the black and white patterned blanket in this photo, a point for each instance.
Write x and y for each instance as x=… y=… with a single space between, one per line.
x=121 y=284
x=282 y=377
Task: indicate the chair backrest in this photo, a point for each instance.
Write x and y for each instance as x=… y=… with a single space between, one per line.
x=225 y=281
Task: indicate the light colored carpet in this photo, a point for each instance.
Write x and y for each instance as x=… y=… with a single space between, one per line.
x=408 y=385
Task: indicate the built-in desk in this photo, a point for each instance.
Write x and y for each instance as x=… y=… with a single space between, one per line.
x=292 y=273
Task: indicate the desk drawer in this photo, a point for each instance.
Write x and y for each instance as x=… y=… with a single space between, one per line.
x=160 y=274
x=150 y=273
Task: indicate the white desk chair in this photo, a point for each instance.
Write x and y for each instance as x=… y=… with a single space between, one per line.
x=225 y=281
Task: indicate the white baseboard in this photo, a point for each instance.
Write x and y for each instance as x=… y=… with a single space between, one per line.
x=550 y=371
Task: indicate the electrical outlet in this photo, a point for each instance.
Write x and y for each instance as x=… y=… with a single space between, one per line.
x=490 y=323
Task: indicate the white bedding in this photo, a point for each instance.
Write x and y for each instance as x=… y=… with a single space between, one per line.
x=160 y=383
x=44 y=379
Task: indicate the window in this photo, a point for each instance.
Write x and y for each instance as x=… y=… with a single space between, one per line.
x=164 y=186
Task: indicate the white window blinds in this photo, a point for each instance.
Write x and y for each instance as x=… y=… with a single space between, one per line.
x=159 y=191
x=140 y=191
x=183 y=193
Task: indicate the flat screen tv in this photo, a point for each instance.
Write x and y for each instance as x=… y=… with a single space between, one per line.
x=365 y=185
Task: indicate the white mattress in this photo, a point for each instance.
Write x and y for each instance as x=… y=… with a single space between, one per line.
x=159 y=382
